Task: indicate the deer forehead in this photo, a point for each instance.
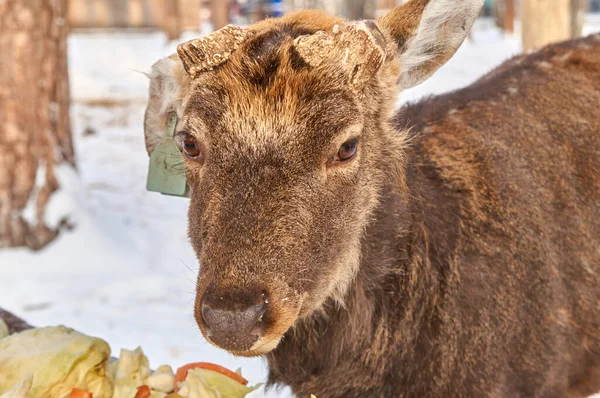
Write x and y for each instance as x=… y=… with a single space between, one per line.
x=240 y=100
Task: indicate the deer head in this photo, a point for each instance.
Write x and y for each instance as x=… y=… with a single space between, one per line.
x=284 y=136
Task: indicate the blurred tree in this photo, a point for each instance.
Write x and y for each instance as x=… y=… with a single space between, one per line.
x=219 y=12
x=35 y=133
x=544 y=22
x=504 y=12
x=509 y=16
x=360 y=9
x=579 y=9
x=172 y=19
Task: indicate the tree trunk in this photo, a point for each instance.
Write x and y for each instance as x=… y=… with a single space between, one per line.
x=509 y=16
x=219 y=13
x=504 y=14
x=545 y=22
x=35 y=132
x=578 y=10
x=172 y=19
x=360 y=9
x=499 y=10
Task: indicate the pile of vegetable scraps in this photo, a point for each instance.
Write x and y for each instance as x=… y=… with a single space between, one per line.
x=59 y=362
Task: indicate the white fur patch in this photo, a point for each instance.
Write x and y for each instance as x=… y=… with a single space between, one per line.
x=564 y=57
x=544 y=65
x=444 y=26
x=346 y=272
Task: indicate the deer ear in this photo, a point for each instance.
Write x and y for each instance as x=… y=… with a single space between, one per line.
x=360 y=47
x=210 y=51
x=169 y=83
x=428 y=33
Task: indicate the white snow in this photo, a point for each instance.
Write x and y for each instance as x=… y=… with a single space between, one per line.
x=126 y=272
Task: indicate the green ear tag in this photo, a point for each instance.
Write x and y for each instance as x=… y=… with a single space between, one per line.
x=166 y=173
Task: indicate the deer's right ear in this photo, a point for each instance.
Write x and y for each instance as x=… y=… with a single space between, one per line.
x=427 y=33
x=169 y=84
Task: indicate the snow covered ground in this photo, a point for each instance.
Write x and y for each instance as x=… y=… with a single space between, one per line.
x=126 y=272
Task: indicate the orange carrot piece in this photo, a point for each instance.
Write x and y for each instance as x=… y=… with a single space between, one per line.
x=183 y=371
x=143 y=392
x=77 y=393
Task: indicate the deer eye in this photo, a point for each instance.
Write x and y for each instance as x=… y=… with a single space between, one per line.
x=191 y=147
x=347 y=151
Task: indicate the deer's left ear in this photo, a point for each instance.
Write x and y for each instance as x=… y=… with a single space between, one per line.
x=427 y=34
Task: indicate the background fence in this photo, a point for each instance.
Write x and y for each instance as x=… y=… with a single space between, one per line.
x=174 y=16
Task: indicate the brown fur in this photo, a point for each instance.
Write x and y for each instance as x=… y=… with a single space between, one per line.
x=484 y=280
x=463 y=264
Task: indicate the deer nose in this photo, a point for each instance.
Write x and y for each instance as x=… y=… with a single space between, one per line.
x=234 y=323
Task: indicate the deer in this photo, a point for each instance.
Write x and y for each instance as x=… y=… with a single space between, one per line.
x=448 y=248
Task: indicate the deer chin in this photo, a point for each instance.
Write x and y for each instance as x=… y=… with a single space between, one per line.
x=262 y=347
